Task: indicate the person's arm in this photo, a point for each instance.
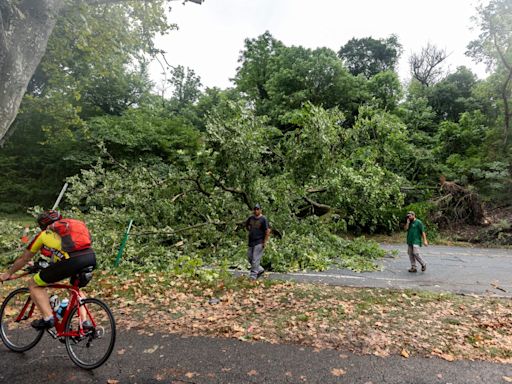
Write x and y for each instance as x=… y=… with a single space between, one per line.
x=406 y=226
x=19 y=263
x=424 y=236
x=267 y=236
x=267 y=233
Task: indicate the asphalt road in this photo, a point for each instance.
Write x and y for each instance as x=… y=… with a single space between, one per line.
x=173 y=359
x=481 y=271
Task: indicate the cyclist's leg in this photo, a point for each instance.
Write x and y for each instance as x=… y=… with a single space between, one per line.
x=40 y=297
x=86 y=260
x=81 y=310
x=37 y=287
x=54 y=273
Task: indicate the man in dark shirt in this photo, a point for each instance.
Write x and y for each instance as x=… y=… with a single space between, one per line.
x=259 y=232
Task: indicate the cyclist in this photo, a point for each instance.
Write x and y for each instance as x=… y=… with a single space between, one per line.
x=65 y=263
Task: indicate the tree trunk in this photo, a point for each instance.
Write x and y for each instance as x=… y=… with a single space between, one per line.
x=25 y=26
x=506 y=103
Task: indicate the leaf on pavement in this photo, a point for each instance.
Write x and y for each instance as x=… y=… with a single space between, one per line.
x=338 y=372
x=252 y=373
x=507 y=379
x=447 y=357
x=151 y=350
x=112 y=381
x=405 y=353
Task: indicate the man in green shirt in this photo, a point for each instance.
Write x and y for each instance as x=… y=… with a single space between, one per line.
x=415 y=235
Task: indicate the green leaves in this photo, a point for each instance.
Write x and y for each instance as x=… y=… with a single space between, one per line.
x=368 y=56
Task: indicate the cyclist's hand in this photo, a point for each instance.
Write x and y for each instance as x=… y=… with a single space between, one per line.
x=4 y=277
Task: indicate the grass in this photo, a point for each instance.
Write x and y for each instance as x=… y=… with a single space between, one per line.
x=21 y=218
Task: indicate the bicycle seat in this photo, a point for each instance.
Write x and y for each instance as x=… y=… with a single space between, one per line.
x=84 y=276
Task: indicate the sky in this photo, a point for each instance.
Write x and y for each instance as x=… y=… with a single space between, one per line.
x=211 y=35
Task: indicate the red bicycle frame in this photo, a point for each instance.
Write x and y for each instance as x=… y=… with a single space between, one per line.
x=73 y=302
x=60 y=324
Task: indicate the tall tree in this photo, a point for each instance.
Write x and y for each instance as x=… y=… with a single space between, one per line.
x=254 y=72
x=369 y=56
x=25 y=27
x=426 y=65
x=186 y=86
x=94 y=65
x=453 y=95
x=494 y=46
x=385 y=89
x=302 y=75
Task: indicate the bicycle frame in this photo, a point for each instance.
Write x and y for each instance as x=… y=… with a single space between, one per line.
x=75 y=301
x=60 y=324
x=77 y=328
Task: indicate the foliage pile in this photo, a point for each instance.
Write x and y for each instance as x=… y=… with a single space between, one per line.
x=181 y=212
x=10 y=235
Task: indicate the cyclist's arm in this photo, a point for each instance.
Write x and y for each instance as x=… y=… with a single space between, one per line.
x=19 y=263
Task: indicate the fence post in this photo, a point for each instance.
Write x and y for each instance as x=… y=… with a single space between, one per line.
x=123 y=243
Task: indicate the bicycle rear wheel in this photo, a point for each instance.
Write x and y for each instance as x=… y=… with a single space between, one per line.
x=16 y=313
x=94 y=345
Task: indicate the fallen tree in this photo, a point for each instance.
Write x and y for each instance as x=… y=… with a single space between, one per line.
x=458 y=205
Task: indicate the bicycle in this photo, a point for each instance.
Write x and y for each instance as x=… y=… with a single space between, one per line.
x=88 y=347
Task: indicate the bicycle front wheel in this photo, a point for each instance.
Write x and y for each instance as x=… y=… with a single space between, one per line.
x=90 y=347
x=16 y=313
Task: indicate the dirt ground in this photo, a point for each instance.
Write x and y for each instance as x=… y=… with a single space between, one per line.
x=498 y=231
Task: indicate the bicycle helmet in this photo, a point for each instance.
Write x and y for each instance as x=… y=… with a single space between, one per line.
x=48 y=217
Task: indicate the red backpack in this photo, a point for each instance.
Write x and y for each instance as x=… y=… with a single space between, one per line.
x=74 y=234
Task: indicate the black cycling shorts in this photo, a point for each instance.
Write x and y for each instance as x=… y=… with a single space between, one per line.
x=66 y=268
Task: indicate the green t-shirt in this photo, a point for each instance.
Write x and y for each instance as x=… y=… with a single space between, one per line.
x=416 y=228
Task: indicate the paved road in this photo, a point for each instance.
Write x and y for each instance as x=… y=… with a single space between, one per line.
x=481 y=271
x=172 y=359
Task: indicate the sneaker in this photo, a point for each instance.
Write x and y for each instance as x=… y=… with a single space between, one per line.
x=87 y=325
x=413 y=269
x=260 y=273
x=43 y=324
x=424 y=268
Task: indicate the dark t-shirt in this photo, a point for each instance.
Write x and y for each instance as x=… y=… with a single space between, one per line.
x=257 y=227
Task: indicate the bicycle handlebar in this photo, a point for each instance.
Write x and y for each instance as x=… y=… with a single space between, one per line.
x=30 y=269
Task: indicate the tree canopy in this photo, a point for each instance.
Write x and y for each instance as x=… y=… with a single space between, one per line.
x=369 y=56
x=329 y=149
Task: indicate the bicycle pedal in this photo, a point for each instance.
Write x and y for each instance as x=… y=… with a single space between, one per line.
x=52 y=332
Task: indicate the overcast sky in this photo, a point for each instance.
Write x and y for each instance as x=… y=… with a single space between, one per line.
x=211 y=35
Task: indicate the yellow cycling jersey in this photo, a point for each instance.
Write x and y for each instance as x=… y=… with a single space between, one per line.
x=50 y=245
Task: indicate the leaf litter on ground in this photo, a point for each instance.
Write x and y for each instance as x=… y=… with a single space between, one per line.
x=364 y=321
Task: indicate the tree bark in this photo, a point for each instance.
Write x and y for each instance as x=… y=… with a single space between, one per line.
x=25 y=27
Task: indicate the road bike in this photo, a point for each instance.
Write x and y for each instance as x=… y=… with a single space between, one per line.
x=88 y=346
